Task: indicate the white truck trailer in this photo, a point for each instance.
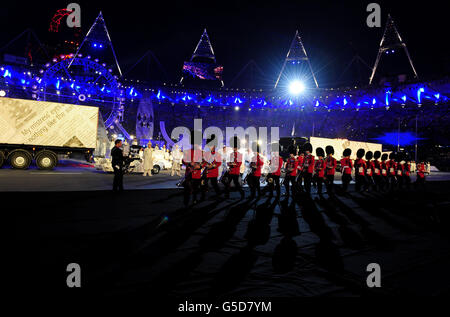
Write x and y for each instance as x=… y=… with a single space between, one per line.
x=40 y=130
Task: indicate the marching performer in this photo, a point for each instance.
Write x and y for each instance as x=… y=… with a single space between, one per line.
x=256 y=164
x=300 y=161
x=276 y=163
x=370 y=167
x=319 y=169
x=392 y=167
x=234 y=165
x=308 y=166
x=407 y=173
x=360 y=167
x=421 y=171
x=346 y=169
x=330 y=165
x=384 y=183
x=291 y=171
x=148 y=159
x=177 y=156
x=377 y=170
x=213 y=161
x=399 y=169
x=192 y=159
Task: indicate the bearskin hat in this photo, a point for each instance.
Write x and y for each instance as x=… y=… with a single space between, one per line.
x=384 y=157
x=307 y=147
x=320 y=152
x=369 y=155
x=360 y=153
x=347 y=152
x=392 y=156
x=377 y=155
x=329 y=149
x=292 y=150
x=235 y=142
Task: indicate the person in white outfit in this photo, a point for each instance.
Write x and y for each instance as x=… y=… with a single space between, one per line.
x=177 y=155
x=148 y=160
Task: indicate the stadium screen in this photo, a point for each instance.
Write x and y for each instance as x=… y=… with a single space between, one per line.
x=202 y=71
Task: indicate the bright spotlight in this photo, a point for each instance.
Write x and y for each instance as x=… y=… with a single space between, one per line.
x=2 y=93
x=296 y=87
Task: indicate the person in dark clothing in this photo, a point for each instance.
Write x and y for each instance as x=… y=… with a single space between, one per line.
x=117 y=165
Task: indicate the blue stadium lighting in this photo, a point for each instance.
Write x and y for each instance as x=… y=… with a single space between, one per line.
x=402 y=138
x=345 y=101
x=374 y=101
x=57 y=84
x=236 y=108
x=419 y=94
x=404 y=98
x=296 y=87
x=437 y=96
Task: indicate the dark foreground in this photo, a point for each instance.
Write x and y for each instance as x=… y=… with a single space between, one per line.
x=229 y=249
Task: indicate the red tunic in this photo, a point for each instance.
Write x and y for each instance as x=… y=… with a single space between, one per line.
x=391 y=166
x=320 y=168
x=346 y=166
x=292 y=163
x=421 y=170
x=400 y=168
x=236 y=158
x=259 y=163
x=384 y=168
x=301 y=160
x=370 y=167
x=277 y=172
x=192 y=159
x=360 y=167
x=308 y=164
x=215 y=159
x=377 y=167
x=330 y=163
x=407 y=169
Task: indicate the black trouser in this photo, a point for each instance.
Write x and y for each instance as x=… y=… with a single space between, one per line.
x=420 y=181
x=118 y=179
x=214 y=184
x=329 y=183
x=407 y=181
x=235 y=180
x=319 y=181
x=255 y=185
x=377 y=180
x=276 y=184
x=287 y=181
x=400 y=181
x=384 y=183
x=369 y=182
x=191 y=186
x=300 y=179
x=307 y=180
x=346 y=178
x=360 y=181
x=392 y=182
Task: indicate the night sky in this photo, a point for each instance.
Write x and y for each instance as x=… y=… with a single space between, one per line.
x=242 y=30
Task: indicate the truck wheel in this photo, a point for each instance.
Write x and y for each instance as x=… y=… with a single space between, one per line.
x=20 y=159
x=46 y=160
x=156 y=169
x=2 y=158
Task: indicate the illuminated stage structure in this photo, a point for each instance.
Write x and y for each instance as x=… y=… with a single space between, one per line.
x=151 y=111
x=202 y=69
x=296 y=65
x=390 y=43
